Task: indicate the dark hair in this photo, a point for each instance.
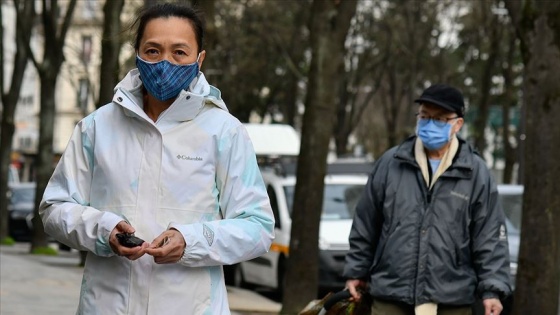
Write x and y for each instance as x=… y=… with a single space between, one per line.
x=166 y=10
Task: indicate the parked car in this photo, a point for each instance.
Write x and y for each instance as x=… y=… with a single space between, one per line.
x=21 y=202
x=344 y=185
x=13 y=175
x=277 y=147
x=511 y=198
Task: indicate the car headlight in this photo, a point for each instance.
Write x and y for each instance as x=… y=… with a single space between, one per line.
x=323 y=244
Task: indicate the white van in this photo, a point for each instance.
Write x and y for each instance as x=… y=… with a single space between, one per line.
x=13 y=175
x=344 y=185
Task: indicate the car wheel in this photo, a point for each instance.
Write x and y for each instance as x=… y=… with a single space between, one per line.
x=281 y=277
x=238 y=279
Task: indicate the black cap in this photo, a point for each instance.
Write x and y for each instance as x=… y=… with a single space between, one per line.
x=444 y=96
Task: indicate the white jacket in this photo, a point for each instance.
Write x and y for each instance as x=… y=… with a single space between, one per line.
x=194 y=169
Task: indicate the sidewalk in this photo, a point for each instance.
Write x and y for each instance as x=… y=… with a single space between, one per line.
x=34 y=284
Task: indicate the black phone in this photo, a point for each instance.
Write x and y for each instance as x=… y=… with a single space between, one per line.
x=129 y=240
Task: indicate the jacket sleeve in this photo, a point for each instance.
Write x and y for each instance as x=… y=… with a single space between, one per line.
x=490 y=244
x=247 y=228
x=366 y=227
x=65 y=209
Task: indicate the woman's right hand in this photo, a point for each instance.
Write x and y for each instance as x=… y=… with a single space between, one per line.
x=354 y=286
x=130 y=253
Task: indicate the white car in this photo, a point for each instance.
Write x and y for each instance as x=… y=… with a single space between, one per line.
x=511 y=197
x=344 y=185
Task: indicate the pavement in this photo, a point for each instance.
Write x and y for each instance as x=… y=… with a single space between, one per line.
x=37 y=284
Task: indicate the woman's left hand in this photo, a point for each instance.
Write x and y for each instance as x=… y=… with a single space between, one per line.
x=168 y=248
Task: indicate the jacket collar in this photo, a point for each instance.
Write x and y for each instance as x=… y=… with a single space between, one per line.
x=459 y=164
x=188 y=104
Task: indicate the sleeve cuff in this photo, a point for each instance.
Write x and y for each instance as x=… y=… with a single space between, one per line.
x=191 y=243
x=107 y=223
x=490 y=295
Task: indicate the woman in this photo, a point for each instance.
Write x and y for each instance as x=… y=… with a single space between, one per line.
x=167 y=162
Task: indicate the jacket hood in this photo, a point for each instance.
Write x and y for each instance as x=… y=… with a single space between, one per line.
x=129 y=94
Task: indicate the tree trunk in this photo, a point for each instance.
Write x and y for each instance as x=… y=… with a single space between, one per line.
x=481 y=119
x=510 y=155
x=329 y=26
x=110 y=50
x=538 y=279
x=53 y=56
x=45 y=156
x=24 y=22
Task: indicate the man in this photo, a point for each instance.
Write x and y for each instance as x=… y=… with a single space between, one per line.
x=429 y=232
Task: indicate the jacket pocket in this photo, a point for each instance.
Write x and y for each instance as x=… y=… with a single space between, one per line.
x=382 y=244
x=459 y=256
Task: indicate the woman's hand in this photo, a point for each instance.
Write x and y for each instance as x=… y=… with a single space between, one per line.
x=131 y=253
x=167 y=248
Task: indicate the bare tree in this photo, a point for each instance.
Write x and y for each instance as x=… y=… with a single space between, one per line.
x=110 y=50
x=25 y=18
x=330 y=22
x=510 y=100
x=488 y=33
x=401 y=52
x=54 y=27
x=538 y=278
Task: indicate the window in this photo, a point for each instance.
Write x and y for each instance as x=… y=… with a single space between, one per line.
x=89 y=8
x=339 y=201
x=86 y=49
x=274 y=205
x=83 y=94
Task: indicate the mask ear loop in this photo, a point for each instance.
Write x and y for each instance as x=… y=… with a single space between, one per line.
x=451 y=133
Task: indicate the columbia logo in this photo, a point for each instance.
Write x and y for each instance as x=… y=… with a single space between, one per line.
x=208 y=234
x=456 y=194
x=188 y=158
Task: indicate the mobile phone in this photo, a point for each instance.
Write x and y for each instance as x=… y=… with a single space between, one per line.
x=129 y=240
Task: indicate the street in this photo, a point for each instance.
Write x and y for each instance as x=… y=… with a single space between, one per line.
x=37 y=284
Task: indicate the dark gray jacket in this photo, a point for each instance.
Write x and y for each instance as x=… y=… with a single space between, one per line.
x=417 y=245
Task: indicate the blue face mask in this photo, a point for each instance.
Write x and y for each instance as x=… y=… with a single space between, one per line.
x=165 y=80
x=433 y=137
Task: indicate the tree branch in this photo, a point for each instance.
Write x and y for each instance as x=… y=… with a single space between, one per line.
x=66 y=24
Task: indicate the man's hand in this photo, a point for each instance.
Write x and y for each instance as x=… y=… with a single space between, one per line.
x=353 y=285
x=492 y=306
x=130 y=253
x=167 y=248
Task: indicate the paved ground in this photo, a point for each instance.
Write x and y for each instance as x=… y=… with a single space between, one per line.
x=32 y=284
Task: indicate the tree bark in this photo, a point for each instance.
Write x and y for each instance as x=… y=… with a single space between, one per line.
x=53 y=57
x=45 y=156
x=330 y=22
x=25 y=16
x=538 y=278
x=510 y=99
x=481 y=120
x=110 y=51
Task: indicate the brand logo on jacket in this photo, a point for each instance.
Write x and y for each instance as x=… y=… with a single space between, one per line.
x=188 y=158
x=503 y=234
x=456 y=194
x=208 y=234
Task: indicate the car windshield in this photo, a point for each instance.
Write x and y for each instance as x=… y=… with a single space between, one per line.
x=23 y=194
x=339 y=201
x=512 y=205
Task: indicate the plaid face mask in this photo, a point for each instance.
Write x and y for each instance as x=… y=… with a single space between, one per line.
x=165 y=80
